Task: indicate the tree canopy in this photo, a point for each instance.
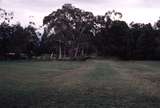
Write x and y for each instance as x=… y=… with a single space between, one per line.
x=73 y=33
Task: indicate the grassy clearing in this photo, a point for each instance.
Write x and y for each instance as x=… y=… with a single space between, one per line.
x=91 y=84
x=102 y=71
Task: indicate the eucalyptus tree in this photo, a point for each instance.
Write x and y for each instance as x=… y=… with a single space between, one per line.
x=143 y=41
x=5 y=31
x=105 y=33
x=6 y=17
x=118 y=39
x=32 y=41
x=70 y=29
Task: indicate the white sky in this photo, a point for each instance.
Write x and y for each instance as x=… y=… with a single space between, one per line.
x=143 y=11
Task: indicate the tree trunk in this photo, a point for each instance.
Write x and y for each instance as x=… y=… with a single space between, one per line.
x=60 y=52
x=51 y=57
x=76 y=52
x=64 y=52
x=82 y=52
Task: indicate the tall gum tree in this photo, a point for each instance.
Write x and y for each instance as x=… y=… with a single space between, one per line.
x=71 y=29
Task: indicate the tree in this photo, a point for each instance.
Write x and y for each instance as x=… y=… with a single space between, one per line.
x=6 y=32
x=6 y=17
x=109 y=26
x=71 y=29
x=117 y=39
x=143 y=41
x=23 y=40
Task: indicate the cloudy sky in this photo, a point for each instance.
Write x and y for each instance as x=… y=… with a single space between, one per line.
x=133 y=10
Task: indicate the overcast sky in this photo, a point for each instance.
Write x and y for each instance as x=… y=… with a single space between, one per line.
x=143 y=11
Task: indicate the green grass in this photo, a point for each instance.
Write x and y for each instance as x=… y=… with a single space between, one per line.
x=90 y=84
x=102 y=71
x=33 y=72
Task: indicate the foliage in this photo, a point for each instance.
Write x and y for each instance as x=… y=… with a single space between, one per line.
x=76 y=34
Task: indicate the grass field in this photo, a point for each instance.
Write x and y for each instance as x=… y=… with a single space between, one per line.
x=90 y=84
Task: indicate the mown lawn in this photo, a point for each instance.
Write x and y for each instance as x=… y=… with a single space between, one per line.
x=90 y=84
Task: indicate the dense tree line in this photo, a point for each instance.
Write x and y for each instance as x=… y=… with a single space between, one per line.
x=16 y=42
x=73 y=33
